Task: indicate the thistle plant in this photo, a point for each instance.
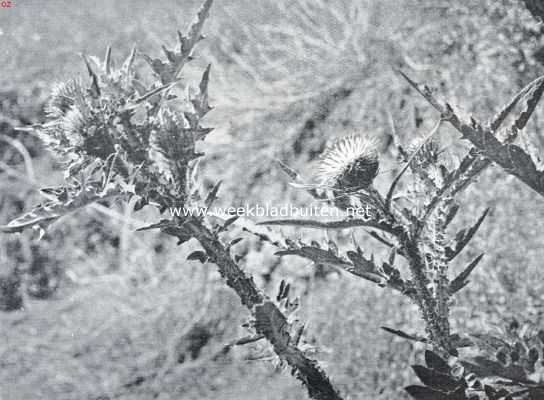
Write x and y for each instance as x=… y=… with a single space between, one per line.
x=126 y=139
x=507 y=366
x=419 y=236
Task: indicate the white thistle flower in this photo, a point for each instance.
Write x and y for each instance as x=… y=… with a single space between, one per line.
x=351 y=163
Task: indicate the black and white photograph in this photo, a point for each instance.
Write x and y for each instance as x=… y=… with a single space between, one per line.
x=271 y=200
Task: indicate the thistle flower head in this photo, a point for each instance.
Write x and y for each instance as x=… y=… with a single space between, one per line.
x=73 y=125
x=427 y=156
x=64 y=96
x=350 y=163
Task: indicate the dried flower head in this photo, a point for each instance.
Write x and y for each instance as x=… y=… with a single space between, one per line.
x=351 y=163
x=64 y=96
x=427 y=156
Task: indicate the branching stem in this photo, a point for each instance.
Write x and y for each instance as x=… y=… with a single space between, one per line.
x=269 y=320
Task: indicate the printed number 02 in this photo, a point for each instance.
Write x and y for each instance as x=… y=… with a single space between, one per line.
x=5 y=4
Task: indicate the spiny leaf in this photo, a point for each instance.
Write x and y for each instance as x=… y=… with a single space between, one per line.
x=378 y=279
x=291 y=173
x=489 y=342
x=501 y=116
x=44 y=214
x=265 y=235
x=535 y=94
x=163 y=223
x=461 y=280
x=283 y=291
x=230 y=221
x=235 y=241
x=40 y=217
x=451 y=214
x=160 y=68
x=151 y=93
x=108 y=62
x=212 y=195
x=380 y=238
x=95 y=88
x=391 y=258
x=361 y=263
x=198 y=255
x=170 y=56
x=404 y=335
x=434 y=361
x=177 y=58
x=298 y=334
x=200 y=99
x=463 y=237
x=333 y=247
x=194 y=32
x=317 y=255
x=127 y=65
x=428 y=95
x=249 y=339
x=513 y=159
x=484 y=367
x=425 y=393
x=435 y=379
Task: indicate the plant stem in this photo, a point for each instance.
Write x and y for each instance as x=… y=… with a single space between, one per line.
x=269 y=320
x=437 y=330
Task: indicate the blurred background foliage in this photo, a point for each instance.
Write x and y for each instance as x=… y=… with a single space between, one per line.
x=95 y=310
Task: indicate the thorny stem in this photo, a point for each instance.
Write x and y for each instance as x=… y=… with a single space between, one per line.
x=440 y=268
x=438 y=331
x=487 y=148
x=433 y=306
x=269 y=320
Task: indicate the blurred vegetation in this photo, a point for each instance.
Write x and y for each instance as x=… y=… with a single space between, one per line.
x=101 y=312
